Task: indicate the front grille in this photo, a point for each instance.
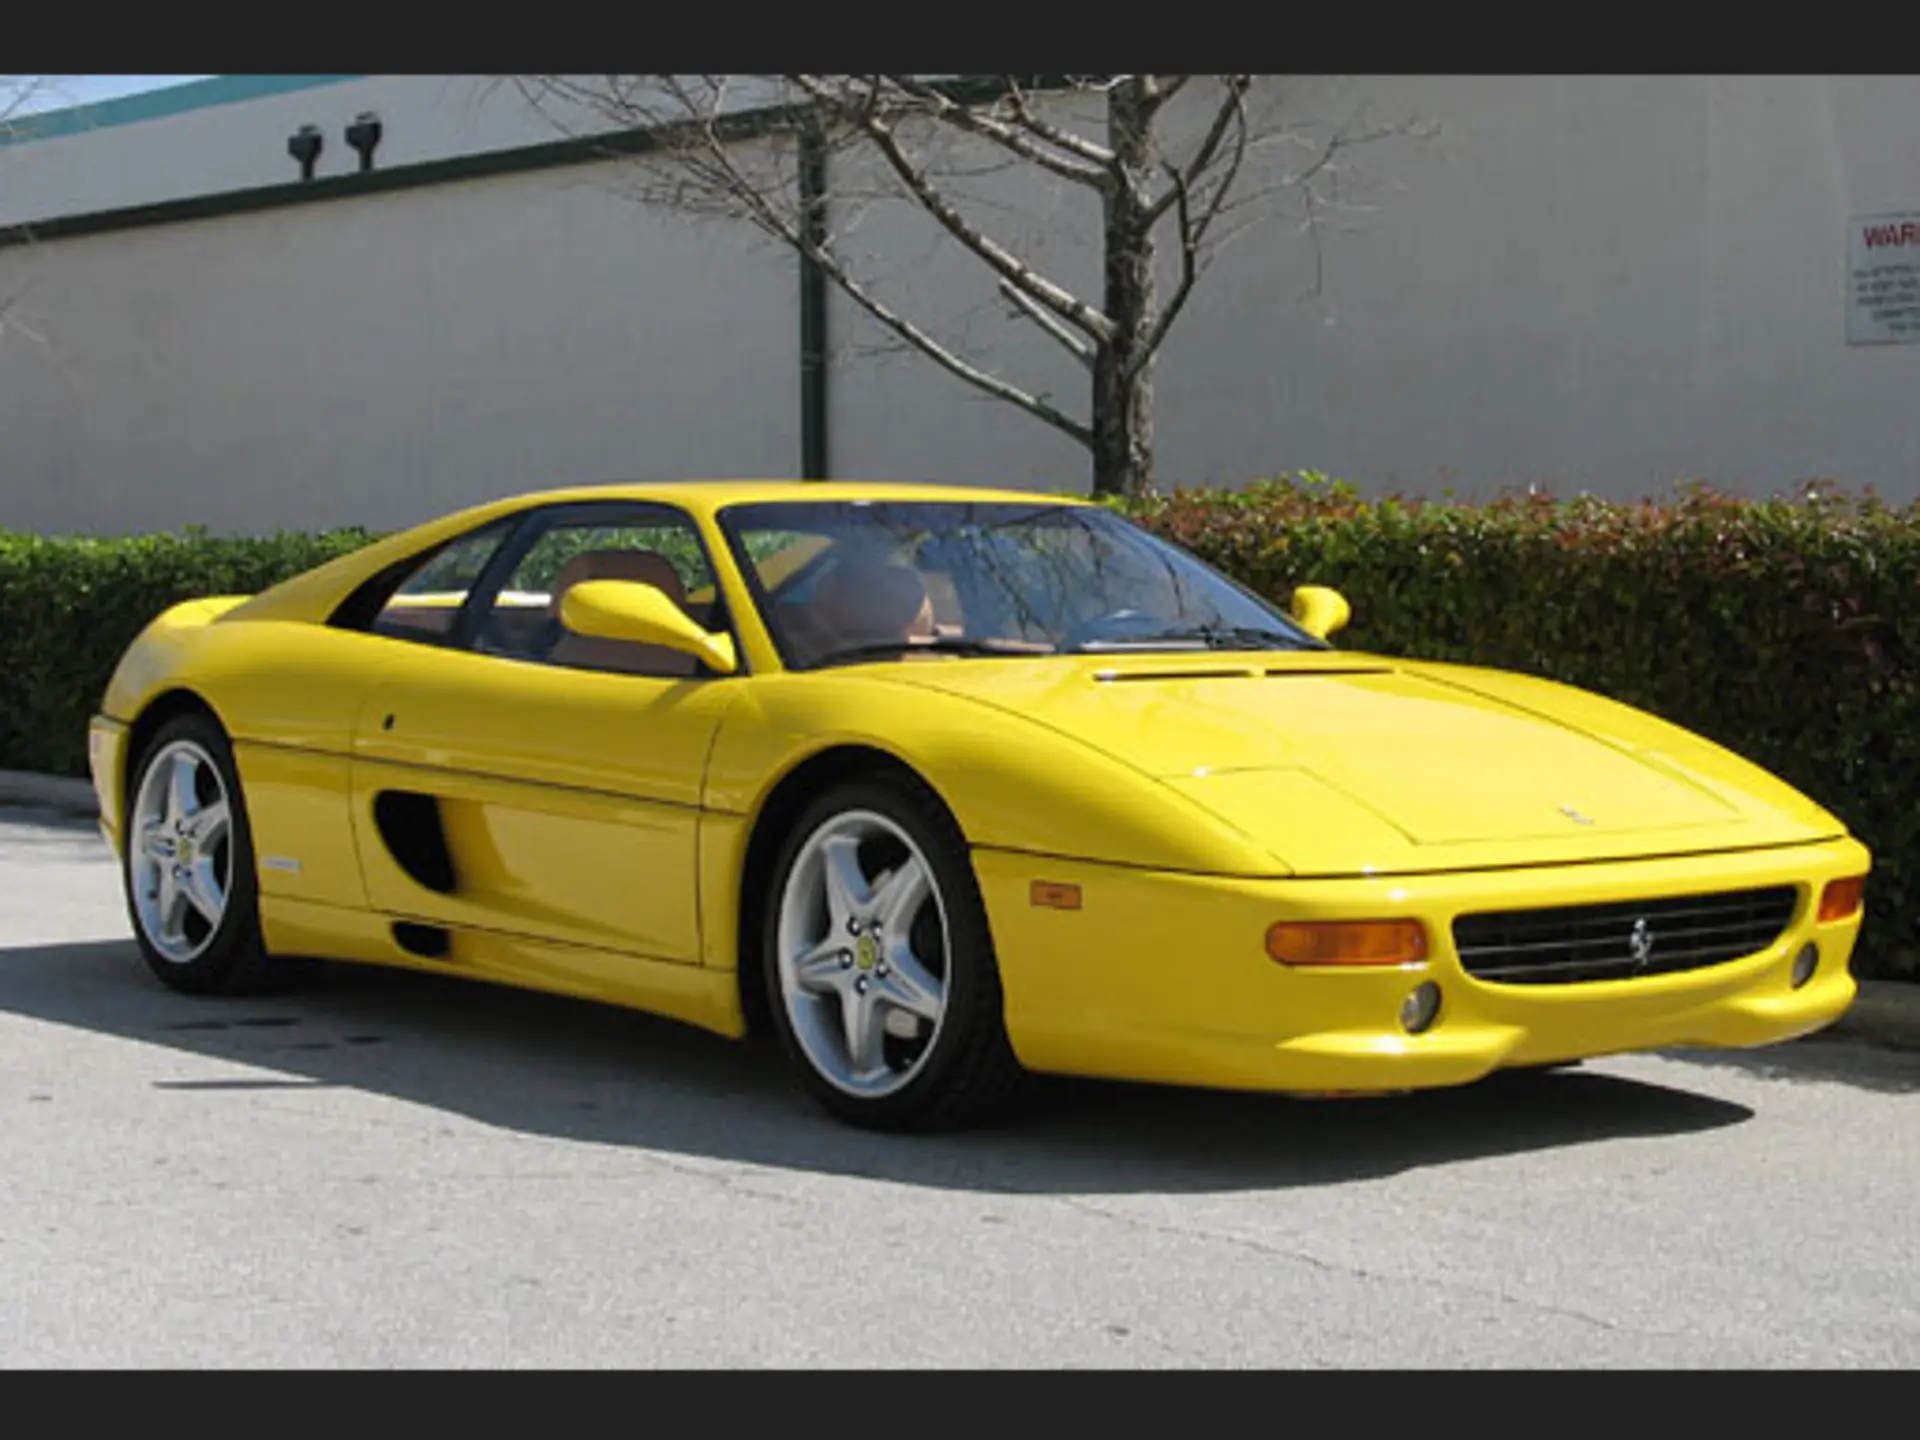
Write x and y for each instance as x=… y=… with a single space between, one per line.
x=1622 y=941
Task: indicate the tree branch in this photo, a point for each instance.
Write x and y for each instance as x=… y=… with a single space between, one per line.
x=753 y=204
x=1002 y=261
x=16 y=91
x=1233 y=108
x=1034 y=405
x=1078 y=346
x=1192 y=230
x=1162 y=93
x=971 y=120
x=1060 y=139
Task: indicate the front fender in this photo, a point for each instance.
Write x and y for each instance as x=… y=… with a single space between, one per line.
x=152 y=662
x=1012 y=784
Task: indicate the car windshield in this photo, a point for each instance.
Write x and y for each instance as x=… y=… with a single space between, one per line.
x=841 y=581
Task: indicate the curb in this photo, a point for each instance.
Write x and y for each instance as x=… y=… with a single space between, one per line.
x=1886 y=1012
x=65 y=793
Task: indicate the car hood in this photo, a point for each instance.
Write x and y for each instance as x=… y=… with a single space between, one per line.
x=1353 y=764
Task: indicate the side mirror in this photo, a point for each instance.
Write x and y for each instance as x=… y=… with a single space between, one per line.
x=630 y=610
x=1319 y=611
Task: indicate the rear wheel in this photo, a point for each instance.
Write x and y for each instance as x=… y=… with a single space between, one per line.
x=192 y=891
x=885 y=992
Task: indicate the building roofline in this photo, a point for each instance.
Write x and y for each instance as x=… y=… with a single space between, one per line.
x=156 y=104
x=466 y=165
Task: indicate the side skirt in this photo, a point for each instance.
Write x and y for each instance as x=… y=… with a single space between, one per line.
x=694 y=994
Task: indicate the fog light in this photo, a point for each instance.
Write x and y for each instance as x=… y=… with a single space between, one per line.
x=1805 y=963
x=1419 y=1010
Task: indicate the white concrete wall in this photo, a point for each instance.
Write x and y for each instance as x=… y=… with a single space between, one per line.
x=1588 y=282
x=383 y=359
x=1604 y=283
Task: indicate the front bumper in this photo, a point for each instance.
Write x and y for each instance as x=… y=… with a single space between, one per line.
x=106 y=762
x=1164 y=977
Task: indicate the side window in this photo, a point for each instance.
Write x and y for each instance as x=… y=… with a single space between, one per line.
x=655 y=547
x=427 y=601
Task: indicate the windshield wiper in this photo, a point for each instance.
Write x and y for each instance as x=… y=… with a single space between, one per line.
x=1211 y=637
x=939 y=644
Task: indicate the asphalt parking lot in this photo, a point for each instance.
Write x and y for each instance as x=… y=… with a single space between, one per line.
x=386 y=1170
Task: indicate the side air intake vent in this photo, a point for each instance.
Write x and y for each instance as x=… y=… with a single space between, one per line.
x=429 y=942
x=410 y=827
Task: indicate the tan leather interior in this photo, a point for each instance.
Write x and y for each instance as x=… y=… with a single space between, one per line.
x=868 y=602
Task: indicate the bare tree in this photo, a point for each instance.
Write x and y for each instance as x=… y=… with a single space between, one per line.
x=1163 y=201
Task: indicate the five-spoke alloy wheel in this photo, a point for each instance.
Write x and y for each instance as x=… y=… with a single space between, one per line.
x=879 y=966
x=192 y=892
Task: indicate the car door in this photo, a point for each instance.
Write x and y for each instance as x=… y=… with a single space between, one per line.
x=515 y=777
x=292 y=720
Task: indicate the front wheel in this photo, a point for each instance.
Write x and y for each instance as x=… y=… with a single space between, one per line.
x=885 y=992
x=192 y=891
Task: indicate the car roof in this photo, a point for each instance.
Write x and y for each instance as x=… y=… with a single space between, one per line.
x=708 y=496
x=314 y=594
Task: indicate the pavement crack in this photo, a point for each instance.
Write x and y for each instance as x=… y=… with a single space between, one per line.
x=1331 y=1267
x=1244 y=1242
x=730 y=1181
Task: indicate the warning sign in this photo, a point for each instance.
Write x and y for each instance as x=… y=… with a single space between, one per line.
x=1883 y=280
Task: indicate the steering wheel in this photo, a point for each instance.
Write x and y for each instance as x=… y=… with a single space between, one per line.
x=1110 y=626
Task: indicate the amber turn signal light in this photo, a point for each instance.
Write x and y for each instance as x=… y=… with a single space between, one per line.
x=1347 y=942
x=1053 y=895
x=1841 y=898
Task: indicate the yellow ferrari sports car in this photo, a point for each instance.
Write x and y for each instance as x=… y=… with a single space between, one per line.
x=942 y=787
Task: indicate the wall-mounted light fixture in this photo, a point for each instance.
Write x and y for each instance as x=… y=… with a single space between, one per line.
x=363 y=135
x=304 y=145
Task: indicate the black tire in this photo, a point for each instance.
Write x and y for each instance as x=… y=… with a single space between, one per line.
x=233 y=959
x=969 y=1072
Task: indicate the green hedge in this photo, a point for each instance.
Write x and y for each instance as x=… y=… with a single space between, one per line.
x=1781 y=628
x=69 y=607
